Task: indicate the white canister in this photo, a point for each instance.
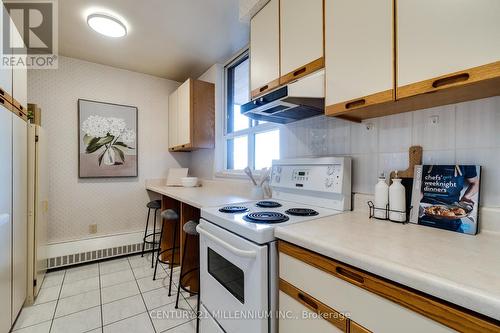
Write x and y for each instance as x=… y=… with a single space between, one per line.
x=397 y=201
x=381 y=198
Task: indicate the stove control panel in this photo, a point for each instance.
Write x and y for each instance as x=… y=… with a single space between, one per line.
x=325 y=179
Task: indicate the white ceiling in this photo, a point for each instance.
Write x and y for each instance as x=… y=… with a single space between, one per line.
x=174 y=39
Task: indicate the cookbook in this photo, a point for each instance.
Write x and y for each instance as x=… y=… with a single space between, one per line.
x=447 y=197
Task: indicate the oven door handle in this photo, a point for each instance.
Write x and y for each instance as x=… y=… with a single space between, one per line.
x=226 y=245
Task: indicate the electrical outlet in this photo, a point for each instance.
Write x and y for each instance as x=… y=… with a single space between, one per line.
x=93 y=228
x=434 y=120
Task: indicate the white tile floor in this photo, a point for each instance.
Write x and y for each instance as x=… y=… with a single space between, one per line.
x=111 y=296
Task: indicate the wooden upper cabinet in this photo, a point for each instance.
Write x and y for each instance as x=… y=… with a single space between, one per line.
x=301 y=38
x=445 y=43
x=265 y=49
x=359 y=54
x=192 y=116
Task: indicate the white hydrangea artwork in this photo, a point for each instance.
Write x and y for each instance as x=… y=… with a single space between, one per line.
x=107 y=147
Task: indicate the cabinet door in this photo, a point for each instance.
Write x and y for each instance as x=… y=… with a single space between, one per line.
x=265 y=49
x=437 y=39
x=184 y=113
x=19 y=214
x=20 y=80
x=358 y=53
x=301 y=38
x=5 y=73
x=173 y=122
x=5 y=217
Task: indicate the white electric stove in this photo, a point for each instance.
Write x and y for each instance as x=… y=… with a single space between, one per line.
x=238 y=254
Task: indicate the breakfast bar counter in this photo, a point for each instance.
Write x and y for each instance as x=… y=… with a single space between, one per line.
x=187 y=202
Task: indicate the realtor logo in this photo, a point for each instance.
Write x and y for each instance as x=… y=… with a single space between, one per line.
x=29 y=34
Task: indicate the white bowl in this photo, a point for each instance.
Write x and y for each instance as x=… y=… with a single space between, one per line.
x=189 y=181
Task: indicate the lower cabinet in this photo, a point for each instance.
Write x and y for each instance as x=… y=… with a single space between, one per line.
x=347 y=299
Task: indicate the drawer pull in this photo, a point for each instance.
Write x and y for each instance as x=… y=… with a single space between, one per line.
x=263 y=88
x=356 y=103
x=450 y=80
x=350 y=275
x=2 y=92
x=2 y=101
x=308 y=301
x=299 y=71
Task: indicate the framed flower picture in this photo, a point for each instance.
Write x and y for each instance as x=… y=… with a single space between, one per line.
x=107 y=136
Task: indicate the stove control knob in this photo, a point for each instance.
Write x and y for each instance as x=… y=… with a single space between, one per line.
x=278 y=169
x=277 y=178
x=330 y=170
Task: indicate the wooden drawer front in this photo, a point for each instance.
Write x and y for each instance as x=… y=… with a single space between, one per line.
x=306 y=321
x=440 y=37
x=359 y=57
x=264 y=49
x=301 y=38
x=350 y=290
x=356 y=328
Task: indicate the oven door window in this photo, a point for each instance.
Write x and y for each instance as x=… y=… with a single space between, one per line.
x=227 y=274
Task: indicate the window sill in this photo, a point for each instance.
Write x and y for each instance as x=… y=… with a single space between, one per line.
x=235 y=174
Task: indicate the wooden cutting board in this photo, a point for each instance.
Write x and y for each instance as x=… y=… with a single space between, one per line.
x=414 y=158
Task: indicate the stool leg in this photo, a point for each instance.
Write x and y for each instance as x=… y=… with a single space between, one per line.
x=145 y=233
x=180 y=275
x=154 y=238
x=159 y=249
x=172 y=260
x=199 y=294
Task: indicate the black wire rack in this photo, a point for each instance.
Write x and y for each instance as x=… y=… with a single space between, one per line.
x=387 y=211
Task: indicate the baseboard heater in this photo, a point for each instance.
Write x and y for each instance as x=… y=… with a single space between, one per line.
x=85 y=251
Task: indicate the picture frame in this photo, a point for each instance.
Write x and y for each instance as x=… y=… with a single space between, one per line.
x=107 y=140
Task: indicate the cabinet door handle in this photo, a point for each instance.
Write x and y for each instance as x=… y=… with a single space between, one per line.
x=350 y=275
x=299 y=71
x=2 y=101
x=308 y=300
x=356 y=103
x=450 y=80
x=263 y=88
x=2 y=92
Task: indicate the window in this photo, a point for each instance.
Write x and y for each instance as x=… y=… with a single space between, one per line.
x=247 y=142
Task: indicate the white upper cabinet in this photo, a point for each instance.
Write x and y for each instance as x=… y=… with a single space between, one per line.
x=184 y=113
x=359 y=57
x=301 y=36
x=172 y=120
x=5 y=73
x=265 y=49
x=441 y=37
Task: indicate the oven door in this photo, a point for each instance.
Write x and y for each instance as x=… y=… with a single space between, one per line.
x=234 y=280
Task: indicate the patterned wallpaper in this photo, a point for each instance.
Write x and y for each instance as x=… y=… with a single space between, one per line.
x=116 y=205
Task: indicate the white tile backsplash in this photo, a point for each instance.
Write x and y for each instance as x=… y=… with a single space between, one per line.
x=465 y=133
x=478 y=124
x=434 y=129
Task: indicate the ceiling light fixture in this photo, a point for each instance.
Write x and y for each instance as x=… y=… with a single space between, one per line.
x=107 y=25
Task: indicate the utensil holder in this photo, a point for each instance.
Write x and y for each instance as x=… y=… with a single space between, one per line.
x=372 y=207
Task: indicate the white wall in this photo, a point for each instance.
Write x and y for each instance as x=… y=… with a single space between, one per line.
x=116 y=205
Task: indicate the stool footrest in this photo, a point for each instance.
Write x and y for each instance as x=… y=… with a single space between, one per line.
x=157 y=241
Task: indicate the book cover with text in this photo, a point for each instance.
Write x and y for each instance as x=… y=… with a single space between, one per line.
x=447 y=197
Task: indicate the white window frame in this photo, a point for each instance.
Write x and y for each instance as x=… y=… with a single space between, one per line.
x=250 y=132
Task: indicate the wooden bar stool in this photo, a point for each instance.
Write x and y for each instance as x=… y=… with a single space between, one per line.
x=156 y=205
x=170 y=216
x=191 y=233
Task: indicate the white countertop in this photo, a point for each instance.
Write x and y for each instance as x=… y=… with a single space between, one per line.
x=212 y=193
x=458 y=268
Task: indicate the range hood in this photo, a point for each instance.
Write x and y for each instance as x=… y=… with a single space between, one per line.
x=298 y=100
